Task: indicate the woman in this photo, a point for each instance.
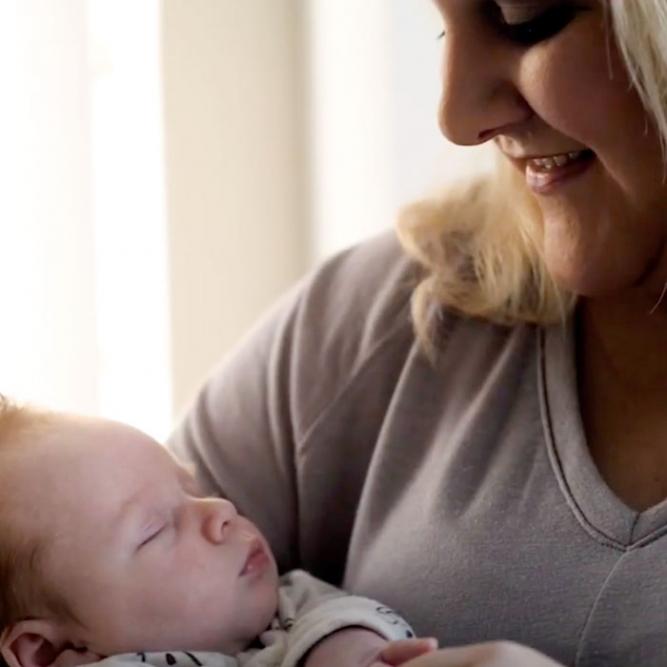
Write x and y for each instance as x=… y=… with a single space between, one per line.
x=501 y=474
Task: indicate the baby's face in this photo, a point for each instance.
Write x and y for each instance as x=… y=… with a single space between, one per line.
x=145 y=562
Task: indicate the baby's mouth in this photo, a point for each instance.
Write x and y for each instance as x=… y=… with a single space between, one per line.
x=256 y=558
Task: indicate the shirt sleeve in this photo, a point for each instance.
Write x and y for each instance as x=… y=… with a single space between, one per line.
x=319 y=610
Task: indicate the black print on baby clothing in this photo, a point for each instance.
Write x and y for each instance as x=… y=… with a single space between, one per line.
x=169 y=659
x=386 y=611
x=288 y=624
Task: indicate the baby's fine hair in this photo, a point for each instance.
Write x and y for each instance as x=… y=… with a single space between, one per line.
x=23 y=589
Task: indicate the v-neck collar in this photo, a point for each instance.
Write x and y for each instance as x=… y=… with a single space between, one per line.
x=599 y=510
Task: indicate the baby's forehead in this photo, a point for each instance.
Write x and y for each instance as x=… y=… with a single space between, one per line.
x=108 y=438
x=89 y=470
x=91 y=449
x=102 y=460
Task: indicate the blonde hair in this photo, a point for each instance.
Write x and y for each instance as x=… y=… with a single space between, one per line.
x=23 y=589
x=640 y=28
x=480 y=243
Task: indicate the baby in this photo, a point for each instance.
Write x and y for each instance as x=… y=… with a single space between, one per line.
x=110 y=553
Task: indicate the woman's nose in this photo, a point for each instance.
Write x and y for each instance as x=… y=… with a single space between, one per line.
x=218 y=518
x=479 y=97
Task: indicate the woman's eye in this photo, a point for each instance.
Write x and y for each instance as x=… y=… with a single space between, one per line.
x=537 y=29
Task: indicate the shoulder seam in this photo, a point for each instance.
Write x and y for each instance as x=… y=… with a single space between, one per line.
x=299 y=446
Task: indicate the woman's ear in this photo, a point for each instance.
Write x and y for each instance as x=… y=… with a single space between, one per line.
x=33 y=643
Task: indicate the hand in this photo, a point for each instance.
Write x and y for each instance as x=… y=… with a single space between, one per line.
x=74 y=658
x=358 y=647
x=489 y=654
x=400 y=651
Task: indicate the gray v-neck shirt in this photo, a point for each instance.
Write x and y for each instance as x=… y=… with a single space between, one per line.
x=462 y=495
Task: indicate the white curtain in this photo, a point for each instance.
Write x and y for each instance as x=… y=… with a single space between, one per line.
x=82 y=249
x=373 y=77
x=136 y=245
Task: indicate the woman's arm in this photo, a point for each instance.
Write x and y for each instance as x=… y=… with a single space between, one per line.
x=358 y=647
x=488 y=654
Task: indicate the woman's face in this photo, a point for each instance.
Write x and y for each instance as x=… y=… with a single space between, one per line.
x=544 y=81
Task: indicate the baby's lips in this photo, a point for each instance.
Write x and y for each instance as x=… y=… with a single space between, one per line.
x=255 y=551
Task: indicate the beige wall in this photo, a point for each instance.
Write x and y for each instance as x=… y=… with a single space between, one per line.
x=374 y=84
x=232 y=77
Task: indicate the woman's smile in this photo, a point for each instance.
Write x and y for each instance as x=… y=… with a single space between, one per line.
x=562 y=110
x=546 y=174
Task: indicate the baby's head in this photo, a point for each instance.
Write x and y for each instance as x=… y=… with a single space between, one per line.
x=108 y=546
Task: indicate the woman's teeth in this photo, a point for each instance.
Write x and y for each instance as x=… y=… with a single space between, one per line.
x=553 y=161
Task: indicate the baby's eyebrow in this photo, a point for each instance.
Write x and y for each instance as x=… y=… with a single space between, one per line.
x=126 y=514
x=188 y=467
x=186 y=475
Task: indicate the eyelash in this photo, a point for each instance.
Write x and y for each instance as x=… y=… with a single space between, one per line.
x=527 y=33
x=154 y=535
x=542 y=27
x=151 y=537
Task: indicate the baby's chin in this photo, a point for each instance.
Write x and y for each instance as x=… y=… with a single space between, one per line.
x=261 y=616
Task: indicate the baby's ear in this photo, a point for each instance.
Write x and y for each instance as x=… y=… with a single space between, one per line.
x=32 y=643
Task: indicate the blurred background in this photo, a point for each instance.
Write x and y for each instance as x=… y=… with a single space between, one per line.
x=169 y=167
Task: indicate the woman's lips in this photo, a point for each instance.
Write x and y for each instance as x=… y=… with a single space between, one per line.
x=256 y=560
x=545 y=182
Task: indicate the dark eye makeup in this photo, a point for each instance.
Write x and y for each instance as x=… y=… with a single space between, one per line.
x=526 y=33
x=543 y=26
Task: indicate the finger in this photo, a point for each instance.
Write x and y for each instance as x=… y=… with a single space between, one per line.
x=489 y=654
x=465 y=656
x=401 y=650
x=71 y=658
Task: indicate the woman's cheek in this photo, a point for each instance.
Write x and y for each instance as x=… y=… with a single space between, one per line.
x=573 y=82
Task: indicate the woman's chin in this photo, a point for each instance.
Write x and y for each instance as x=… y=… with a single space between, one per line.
x=590 y=279
x=604 y=257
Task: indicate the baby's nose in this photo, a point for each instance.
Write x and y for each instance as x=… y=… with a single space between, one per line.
x=218 y=519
